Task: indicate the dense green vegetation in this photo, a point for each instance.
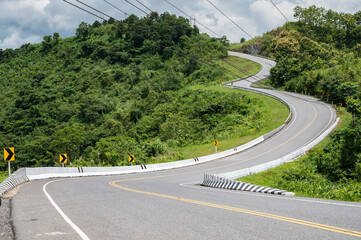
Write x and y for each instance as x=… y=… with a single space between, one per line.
x=118 y=88
x=320 y=52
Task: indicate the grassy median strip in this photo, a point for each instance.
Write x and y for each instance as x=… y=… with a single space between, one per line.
x=301 y=178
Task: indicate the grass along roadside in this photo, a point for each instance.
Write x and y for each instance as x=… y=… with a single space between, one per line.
x=244 y=66
x=276 y=111
x=3 y=175
x=299 y=176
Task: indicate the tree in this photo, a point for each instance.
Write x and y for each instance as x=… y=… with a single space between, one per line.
x=56 y=37
x=83 y=31
x=68 y=140
x=242 y=40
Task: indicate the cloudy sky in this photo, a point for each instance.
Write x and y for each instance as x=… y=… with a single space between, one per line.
x=24 y=21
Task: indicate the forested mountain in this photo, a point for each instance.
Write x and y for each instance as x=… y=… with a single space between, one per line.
x=118 y=88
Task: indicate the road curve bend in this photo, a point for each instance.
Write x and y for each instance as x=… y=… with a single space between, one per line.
x=170 y=204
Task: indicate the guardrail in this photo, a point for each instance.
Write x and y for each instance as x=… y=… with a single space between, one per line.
x=29 y=174
x=13 y=180
x=279 y=161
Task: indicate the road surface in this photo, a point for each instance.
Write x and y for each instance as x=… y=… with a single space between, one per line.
x=171 y=205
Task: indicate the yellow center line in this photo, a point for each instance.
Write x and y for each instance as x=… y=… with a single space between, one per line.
x=240 y=210
x=234 y=209
x=238 y=162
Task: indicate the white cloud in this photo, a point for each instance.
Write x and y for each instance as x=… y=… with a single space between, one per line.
x=23 y=21
x=15 y=39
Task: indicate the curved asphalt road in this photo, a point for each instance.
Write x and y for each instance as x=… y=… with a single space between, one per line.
x=170 y=205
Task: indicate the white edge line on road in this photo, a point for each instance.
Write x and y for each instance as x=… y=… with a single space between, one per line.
x=192 y=185
x=66 y=218
x=326 y=127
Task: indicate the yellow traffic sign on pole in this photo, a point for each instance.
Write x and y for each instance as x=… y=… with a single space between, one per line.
x=131 y=158
x=63 y=158
x=215 y=143
x=9 y=154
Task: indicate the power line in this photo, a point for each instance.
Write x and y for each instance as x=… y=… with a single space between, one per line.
x=279 y=10
x=116 y=8
x=84 y=10
x=144 y=5
x=94 y=9
x=232 y=65
x=192 y=18
x=229 y=19
x=136 y=7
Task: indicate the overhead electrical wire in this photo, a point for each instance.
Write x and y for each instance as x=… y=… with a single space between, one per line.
x=232 y=65
x=279 y=10
x=144 y=5
x=239 y=69
x=116 y=8
x=94 y=9
x=136 y=7
x=84 y=10
x=191 y=18
x=229 y=18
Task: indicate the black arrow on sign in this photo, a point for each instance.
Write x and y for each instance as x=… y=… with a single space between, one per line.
x=63 y=158
x=11 y=154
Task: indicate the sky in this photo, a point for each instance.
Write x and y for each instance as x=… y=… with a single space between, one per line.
x=27 y=21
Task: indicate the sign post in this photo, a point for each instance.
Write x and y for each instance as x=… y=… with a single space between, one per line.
x=9 y=156
x=305 y=91
x=216 y=144
x=131 y=159
x=63 y=158
x=327 y=95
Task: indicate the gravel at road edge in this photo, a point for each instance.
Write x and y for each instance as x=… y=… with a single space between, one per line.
x=6 y=229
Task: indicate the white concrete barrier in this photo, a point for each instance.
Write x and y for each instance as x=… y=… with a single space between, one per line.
x=279 y=161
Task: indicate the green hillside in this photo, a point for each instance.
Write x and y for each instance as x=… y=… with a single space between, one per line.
x=133 y=87
x=320 y=52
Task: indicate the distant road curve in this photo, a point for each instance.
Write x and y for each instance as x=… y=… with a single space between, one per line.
x=170 y=205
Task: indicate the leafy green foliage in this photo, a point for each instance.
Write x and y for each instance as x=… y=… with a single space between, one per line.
x=320 y=52
x=116 y=89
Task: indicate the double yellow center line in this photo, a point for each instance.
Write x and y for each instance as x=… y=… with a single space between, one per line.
x=240 y=210
x=245 y=211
